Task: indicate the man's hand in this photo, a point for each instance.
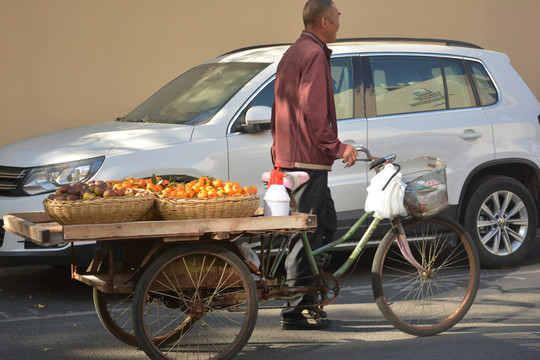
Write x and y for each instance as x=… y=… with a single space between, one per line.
x=349 y=156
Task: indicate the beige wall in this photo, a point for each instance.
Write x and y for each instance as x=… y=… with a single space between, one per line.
x=65 y=63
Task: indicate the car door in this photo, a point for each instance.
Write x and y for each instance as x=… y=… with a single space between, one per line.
x=249 y=152
x=425 y=106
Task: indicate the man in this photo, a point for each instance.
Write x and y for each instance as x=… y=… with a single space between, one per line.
x=304 y=130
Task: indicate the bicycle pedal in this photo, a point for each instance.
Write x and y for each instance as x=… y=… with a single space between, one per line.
x=323 y=259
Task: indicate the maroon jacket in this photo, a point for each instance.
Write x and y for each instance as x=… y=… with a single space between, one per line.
x=304 y=126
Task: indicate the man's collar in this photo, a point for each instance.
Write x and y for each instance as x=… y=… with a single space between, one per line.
x=319 y=41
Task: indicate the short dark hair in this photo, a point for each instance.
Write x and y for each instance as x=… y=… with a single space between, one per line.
x=314 y=10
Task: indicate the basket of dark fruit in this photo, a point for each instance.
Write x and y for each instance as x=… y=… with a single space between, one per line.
x=97 y=202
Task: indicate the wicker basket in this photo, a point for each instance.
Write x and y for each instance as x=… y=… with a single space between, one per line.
x=100 y=210
x=170 y=208
x=425 y=194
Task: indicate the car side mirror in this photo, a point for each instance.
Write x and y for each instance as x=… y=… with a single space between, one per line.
x=259 y=115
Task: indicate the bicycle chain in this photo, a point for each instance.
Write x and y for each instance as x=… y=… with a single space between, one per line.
x=321 y=305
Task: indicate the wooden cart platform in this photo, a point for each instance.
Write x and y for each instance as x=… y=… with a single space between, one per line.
x=39 y=228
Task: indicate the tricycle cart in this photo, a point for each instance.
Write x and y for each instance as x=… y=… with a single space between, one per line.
x=190 y=289
x=176 y=288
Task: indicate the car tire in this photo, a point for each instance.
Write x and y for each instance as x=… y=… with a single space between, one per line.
x=502 y=219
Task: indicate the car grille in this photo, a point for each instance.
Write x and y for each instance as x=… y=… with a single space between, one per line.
x=11 y=180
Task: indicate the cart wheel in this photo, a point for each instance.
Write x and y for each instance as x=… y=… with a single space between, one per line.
x=201 y=300
x=114 y=312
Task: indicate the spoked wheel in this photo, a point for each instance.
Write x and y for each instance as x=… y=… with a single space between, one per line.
x=200 y=299
x=426 y=302
x=114 y=312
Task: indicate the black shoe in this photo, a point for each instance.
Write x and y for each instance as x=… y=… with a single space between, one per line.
x=304 y=323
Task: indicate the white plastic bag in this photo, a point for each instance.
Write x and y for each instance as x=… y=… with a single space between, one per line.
x=388 y=203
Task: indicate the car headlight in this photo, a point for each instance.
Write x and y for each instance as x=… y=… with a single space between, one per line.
x=48 y=178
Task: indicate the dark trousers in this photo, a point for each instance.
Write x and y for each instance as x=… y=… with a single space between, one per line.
x=313 y=197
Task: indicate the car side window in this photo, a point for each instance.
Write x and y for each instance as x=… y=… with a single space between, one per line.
x=265 y=97
x=342 y=79
x=486 y=89
x=458 y=86
x=405 y=84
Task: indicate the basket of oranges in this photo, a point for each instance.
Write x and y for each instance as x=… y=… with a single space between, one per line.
x=205 y=198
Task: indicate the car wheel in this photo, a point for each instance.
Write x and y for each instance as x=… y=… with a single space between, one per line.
x=502 y=219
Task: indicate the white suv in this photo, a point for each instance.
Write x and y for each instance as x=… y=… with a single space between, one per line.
x=451 y=100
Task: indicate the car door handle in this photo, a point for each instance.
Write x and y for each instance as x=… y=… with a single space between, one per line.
x=470 y=135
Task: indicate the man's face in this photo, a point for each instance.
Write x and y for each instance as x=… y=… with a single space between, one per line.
x=332 y=24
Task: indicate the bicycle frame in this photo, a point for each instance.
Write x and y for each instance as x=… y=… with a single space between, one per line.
x=357 y=251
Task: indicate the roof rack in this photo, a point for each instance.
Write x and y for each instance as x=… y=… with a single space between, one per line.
x=254 y=47
x=413 y=40
x=375 y=39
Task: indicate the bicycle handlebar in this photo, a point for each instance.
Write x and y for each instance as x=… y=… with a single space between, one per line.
x=375 y=161
x=384 y=160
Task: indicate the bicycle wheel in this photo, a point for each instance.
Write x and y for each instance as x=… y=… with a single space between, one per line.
x=425 y=303
x=201 y=300
x=114 y=312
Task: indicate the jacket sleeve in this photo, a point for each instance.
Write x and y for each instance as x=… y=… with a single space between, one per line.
x=313 y=101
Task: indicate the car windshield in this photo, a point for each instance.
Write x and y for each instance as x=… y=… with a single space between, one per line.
x=196 y=96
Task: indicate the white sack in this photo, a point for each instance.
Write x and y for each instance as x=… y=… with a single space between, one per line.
x=388 y=203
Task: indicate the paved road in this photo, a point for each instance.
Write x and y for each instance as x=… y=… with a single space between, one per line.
x=46 y=315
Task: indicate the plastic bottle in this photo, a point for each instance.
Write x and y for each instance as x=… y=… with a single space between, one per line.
x=276 y=199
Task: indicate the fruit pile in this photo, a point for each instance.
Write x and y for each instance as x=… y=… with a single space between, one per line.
x=154 y=184
x=206 y=187
x=203 y=187
x=91 y=190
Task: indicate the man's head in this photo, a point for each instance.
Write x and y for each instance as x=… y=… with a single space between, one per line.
x=322 y=18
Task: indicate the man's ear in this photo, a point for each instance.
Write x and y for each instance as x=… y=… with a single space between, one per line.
x=324 y=22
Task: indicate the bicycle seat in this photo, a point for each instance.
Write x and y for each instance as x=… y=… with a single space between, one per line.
x=292 y=179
